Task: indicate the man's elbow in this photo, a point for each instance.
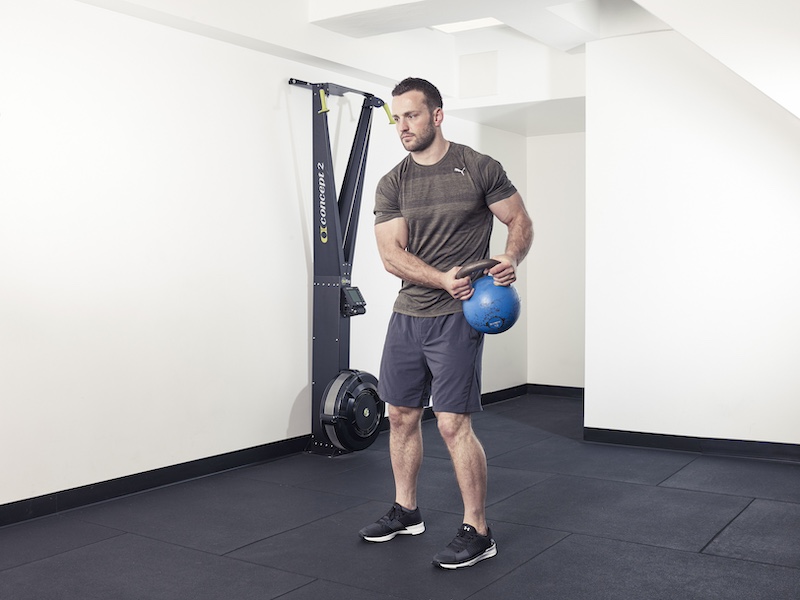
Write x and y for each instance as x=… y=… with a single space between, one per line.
x=391 y=267
x=389 y=264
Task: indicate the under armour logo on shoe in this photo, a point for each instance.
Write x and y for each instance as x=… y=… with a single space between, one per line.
x=462 y=171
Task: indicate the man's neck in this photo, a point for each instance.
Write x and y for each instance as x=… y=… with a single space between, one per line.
x=433 y=153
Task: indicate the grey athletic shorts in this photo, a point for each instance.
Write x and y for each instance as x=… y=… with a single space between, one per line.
x=432 y=356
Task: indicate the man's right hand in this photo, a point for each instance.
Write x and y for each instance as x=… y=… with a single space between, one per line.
x=460 y=289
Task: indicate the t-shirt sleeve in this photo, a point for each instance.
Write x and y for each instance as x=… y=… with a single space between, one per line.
x=494 y=180
x=387 y=205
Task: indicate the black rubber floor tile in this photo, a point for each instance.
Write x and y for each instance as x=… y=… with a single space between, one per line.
x=401 y=567
x=371 y=481
x=498 y=440
x=552 y=415
x=132 y=568
x=565 y=425
x=328 y=590
x=33 y=540
x=301 y=468
x=752 y=478
x=216 y=514
x=637 y=513
x=504 y=483
x=585 y=568
x=437 y=487
x=766 y=531
x=505 y=422
x=619 y=463
x=538 y=405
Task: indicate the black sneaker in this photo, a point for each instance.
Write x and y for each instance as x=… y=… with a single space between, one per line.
x=468 y=548
x=398 y=521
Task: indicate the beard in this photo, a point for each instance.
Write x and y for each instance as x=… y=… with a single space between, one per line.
x=422 y=141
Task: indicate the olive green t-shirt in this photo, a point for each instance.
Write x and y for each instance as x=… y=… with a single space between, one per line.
x=446 y=207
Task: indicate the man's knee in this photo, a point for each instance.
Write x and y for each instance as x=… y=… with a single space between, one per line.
x=404 y=420
x=453 y=426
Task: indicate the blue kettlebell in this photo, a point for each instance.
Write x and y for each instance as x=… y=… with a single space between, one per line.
x=492 y=308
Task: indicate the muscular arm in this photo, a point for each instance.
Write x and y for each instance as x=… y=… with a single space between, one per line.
x=392 y=238
x=512 y=214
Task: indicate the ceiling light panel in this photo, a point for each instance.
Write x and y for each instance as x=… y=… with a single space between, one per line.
x=468 y=25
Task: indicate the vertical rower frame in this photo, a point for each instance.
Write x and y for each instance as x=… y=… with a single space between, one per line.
x=335 y=229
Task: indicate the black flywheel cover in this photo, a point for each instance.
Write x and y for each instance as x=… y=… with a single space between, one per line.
x=352 y=410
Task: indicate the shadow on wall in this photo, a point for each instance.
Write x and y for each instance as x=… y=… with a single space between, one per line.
x=300 y=136
x=300 y=416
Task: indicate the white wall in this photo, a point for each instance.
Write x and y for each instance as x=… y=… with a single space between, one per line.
x=757 y=40
x=692 y=325
x=556 y=265
x=141 y=219
x=155 y=260
x=282 y=28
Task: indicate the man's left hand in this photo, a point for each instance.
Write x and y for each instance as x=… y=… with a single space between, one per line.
x=504 y=273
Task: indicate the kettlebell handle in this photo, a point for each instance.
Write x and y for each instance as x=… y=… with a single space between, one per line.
x=477 y=266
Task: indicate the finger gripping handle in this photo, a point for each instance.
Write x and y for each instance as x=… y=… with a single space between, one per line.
x=469 y=269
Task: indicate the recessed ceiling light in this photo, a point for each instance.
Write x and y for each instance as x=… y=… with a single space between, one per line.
x=467 y=25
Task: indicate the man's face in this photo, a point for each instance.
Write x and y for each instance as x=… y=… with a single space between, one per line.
x=415 y=121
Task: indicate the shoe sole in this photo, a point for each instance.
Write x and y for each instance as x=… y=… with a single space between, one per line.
x=410 y=530
x=488 y=553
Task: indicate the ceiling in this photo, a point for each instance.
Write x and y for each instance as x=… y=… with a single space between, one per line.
x=563 y=25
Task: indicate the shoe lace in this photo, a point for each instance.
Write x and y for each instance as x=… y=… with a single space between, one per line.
x=393 y=514
x=463 y=538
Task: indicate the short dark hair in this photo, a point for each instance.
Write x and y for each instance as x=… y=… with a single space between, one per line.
x=433 y=99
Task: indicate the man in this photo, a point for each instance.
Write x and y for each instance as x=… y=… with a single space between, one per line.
x=434 y=214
